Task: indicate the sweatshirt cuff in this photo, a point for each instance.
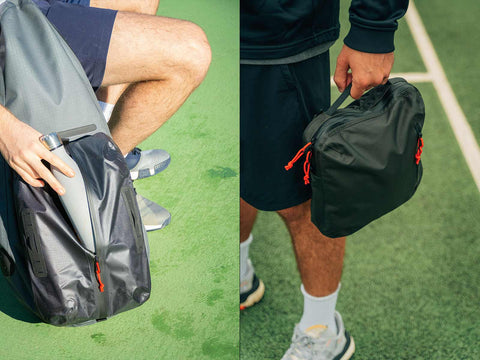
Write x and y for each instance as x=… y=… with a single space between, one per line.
x=369 y=40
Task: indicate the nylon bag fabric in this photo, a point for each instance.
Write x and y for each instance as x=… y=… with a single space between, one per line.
x=67 y=286
x=363 y=161
x=44 y=85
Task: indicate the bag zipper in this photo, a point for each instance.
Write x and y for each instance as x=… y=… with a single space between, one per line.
x=98 y=263
x=354 y=111
x=331 y=129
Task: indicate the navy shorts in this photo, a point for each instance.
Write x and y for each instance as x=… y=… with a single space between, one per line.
x=86 y=30
x=276 y=104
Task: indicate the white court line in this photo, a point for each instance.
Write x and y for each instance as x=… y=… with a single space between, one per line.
x=436 y=75
x=411 y=77
x=458 y=121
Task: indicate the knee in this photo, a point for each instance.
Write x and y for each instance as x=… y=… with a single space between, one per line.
x=196 y=53
x=297 y=213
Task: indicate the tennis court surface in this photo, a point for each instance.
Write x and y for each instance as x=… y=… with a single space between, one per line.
x=410 y=282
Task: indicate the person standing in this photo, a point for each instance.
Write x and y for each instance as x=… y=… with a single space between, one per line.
x=284 y=82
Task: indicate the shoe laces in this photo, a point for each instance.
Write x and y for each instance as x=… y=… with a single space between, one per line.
x=136 y=151
x=306 y=347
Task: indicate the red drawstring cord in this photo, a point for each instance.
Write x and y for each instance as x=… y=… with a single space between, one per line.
x=306 y=164
x=298 y=156
x=306 y=168
x=419 y=150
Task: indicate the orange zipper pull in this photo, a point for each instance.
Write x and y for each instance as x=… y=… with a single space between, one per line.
x=419 y=150
x=99 y=279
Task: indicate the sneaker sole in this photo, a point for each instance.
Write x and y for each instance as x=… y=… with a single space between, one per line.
x=349 y=352
x=144 y=173
x=254 y=297
x=149 y=228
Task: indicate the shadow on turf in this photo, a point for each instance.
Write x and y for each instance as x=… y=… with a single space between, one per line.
x=12 y=307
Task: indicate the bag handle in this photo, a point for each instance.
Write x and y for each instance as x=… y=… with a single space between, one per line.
x=82 y=130
x=346 y=93
x=339 y=101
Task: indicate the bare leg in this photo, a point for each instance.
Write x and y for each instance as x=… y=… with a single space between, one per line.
x=319 y=258
x=148 y=7
x=164 y=59
x=111 y=94
x=248 y=215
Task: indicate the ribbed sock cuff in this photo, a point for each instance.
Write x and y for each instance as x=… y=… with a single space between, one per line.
x=246 y=243
x=321 y=298
x=319 y=310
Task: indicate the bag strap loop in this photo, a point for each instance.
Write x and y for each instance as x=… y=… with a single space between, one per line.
x=339 y=101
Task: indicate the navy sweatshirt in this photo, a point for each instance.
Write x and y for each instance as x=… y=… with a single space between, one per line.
x=273 y=29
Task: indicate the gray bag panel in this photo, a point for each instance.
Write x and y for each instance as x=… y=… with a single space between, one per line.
x=39 y=69
x=42 y=71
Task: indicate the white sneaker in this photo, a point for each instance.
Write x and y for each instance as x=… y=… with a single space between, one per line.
x=251 y=288
x=319 y=343
x=154 y=216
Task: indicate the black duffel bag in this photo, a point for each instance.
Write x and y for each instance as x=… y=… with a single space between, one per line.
x=363 y=161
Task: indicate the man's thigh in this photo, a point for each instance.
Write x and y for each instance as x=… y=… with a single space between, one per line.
x=145 y=47
x=276 y=104
x=137 y=6
x=86 y=30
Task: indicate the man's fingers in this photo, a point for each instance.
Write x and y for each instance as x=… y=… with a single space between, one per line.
x=28 y=178
x=357 y=89
x=54 y=160
x=341 y=74
x=349 y=79
x=46 y=175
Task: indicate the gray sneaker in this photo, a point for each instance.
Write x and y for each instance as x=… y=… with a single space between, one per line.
x=146 y=163
x=154 y=216
x=319 y=343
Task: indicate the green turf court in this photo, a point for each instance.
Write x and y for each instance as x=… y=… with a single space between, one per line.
x=410 y=282
x=193 y=311
x=454 y=33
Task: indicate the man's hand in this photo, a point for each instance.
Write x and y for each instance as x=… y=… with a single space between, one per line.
x=23 y=151
x=368 y=70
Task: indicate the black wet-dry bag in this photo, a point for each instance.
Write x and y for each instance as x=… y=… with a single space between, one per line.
x=363 y=160
x=42 y=257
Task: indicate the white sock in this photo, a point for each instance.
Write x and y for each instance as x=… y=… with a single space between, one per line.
x=319 y=310
x=244 y=267
x=107 y=109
